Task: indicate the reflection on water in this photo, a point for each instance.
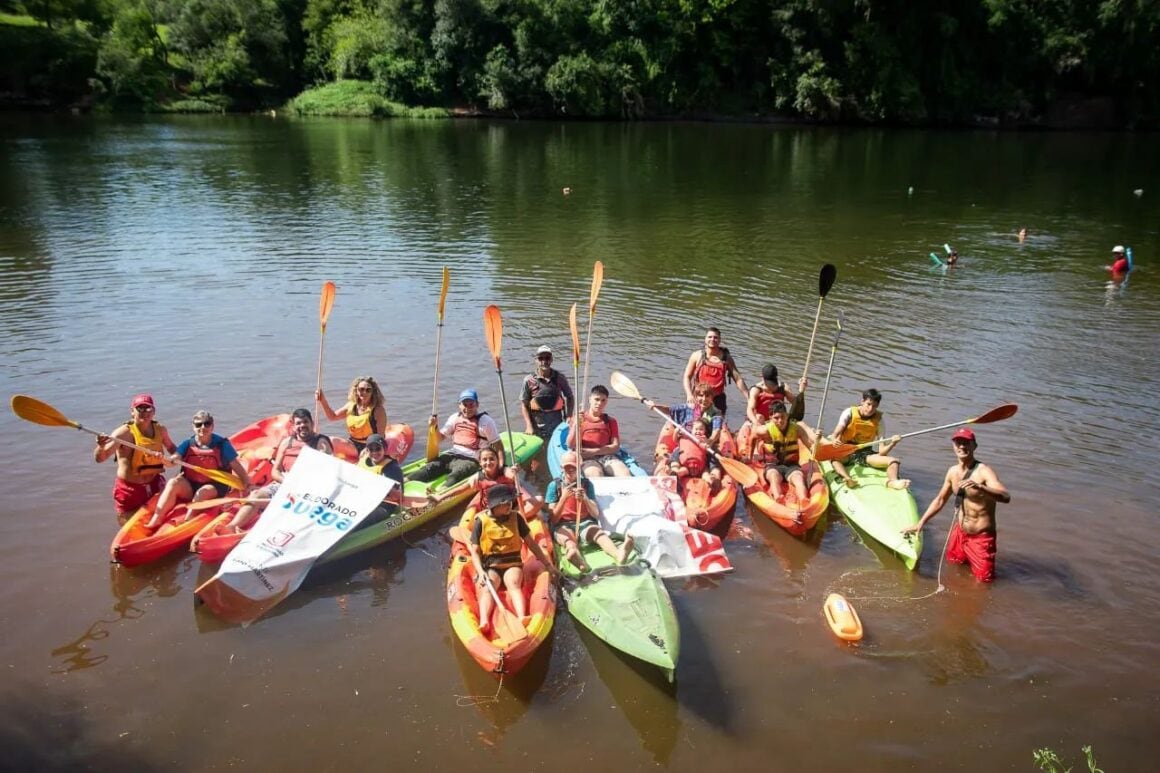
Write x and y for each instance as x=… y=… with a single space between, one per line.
x=793 y=553
x=502 y=701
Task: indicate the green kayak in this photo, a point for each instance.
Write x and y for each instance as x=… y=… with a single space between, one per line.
x=878 y=511
x=627 y=606
x=415 y=511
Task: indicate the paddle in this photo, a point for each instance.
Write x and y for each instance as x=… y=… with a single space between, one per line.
x=739 y=471
x=433 y=431
x=325 y=303
x=576 y=403
x=829 y=371
x=998 y=413
x=507 y=625
x=207 y=504
x=825 y=281
x=493 y=332
x=38 y=412
x=597 y=280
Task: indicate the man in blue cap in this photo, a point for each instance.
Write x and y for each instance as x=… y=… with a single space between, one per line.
x=469 y=430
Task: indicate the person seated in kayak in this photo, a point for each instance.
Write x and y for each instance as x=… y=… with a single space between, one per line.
x=770 y=390
x=546 y=397
x=491 y=473
x=713 y=365
x=469 y=430
x=976 y=488
x=779 y=451
x=863 y=423
x=204 y=449
x=302 y=435
x=691 y=459
x=365 y=410
x=1120 y=265
x=139 y=473
x=495 y=542
x=688 y=414
x=380 y=458
x=599 y=438
x=564 y=499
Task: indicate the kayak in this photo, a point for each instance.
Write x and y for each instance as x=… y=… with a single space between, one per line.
x=704 y=508
x=492 y=652
x=135 y=545
x=878 y=511
x=216 y=540
x=416 y=511
x=557 y=445
x=784 y=507
x=627 y=606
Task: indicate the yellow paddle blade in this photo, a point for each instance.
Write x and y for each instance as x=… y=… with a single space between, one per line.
x=432 y=442
x=575 y=335
x=623 y=385
x=38 y=412
x=493 y=331
x=597 y=280
x=443 y=292
x=325 y=303
x=229 y=479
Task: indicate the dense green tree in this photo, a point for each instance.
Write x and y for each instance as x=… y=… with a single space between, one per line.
x=132 y=60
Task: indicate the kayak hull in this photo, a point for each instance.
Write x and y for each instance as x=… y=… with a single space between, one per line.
x=879 y=512
x=135 y=545
x=784 y=507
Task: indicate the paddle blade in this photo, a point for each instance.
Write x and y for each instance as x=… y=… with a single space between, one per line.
x=575 y=329
x=1005 y=411
x=597 y=280
x=325 y=303
x=493 y=331
x=226 y=478
x=826 y=279
x=37 y=412
x=432 y=443
x=741 y=472
x=508 y=626
x=443 y=292
x=828 y=452
x=623 y=385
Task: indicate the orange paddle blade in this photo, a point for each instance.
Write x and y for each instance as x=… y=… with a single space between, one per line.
x=828 y=452
x=575 y=335
x=741 y=472
x=38 y=412
x=597 y=280
x=493 y=331
x=325 y=303
x=1005 y=411
x=443 y=292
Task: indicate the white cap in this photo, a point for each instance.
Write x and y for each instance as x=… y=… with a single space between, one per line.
x=1117 y=250
x=548 y=350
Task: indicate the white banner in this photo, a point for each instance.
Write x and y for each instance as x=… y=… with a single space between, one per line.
x=320 y=501
x=652 y=512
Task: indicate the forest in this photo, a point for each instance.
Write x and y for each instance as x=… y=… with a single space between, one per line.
x=1066 y=63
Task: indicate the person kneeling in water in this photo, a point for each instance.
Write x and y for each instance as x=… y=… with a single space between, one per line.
x=564 y=500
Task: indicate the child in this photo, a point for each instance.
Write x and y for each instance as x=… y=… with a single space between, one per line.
x=564 y=500
x=690 y=459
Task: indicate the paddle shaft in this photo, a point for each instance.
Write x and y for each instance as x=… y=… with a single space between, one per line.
x=829 y=372
x=810 y=351
x=913 y=434
x=724 y=462
x=224 y=477
x=433 y=432
x=826 y=278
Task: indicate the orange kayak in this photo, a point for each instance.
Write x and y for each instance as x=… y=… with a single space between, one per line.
x=489 y=651
x=135 y=545
x=704 y=508
x=215 y=541
x=783 y=507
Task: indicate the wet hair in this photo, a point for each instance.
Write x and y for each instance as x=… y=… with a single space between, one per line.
x=600 y=389
x=203 y=416
x=872 y=394
x=778 y=407
x=302 y=413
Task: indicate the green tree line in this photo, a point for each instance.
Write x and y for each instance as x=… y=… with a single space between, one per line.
x=876 y=61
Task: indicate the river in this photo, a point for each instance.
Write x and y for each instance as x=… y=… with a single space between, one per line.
x=184 y=256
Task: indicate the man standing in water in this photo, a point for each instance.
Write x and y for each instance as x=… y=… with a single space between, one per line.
x=713 y=365
x=139 y=473
x=972 y=539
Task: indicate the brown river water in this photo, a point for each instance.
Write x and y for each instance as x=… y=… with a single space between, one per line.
x=185 y=256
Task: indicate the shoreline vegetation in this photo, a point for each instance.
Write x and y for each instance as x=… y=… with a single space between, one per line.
x=948 y=63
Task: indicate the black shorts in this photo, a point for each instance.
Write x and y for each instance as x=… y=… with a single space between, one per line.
x=221 y=488
x=720 y=402
x=784 y=470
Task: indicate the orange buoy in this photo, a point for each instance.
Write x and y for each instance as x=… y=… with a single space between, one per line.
x=842 y=618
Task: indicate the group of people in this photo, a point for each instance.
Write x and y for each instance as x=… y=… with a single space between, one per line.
x=772 y=410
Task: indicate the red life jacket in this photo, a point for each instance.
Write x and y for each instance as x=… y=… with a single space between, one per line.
x=712 y=373
x=290 y=455
x=209 y=458
x=479 y=501
x=764 y=400
x=465 y=432
x=693 y=456
x=594 y=434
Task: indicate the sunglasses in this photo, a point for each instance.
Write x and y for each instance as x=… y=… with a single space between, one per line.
x=363 y=389
x=144 y=408
x=200 y=424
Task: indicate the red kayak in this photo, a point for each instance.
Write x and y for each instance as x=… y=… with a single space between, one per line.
x=135 y=545
x=704 y=508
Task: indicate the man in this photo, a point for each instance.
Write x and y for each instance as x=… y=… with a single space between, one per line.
x=771 y=391
x=546 y=398
x=1120 y=264
x=469 y=430
x=860 y=424
x=713 y=365
x=139 y=473
x=301 y=435
x=972 y=539
x=780 y=447
x=599 y=438
x=380 y=460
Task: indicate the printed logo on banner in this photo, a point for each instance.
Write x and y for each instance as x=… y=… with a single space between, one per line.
x=280 y=539
x=319 y=509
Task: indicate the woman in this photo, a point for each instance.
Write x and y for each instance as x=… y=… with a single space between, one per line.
x=491 y=473
x=365 y=411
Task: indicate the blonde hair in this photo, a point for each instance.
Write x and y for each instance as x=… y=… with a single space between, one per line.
x=377 y=398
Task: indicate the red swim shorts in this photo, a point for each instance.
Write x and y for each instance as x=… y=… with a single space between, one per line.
x=128 y=497
x=978 y=550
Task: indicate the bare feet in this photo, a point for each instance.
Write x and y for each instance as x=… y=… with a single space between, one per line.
x=578 y=560
x=625 y=549
x=850 y=482
x=904 y=483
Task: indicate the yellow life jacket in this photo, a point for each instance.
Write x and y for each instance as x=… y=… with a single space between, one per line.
x=361 y=426
x=365 y=462
x=500 y=542
x=861 y=430
x=141 y=463
x=783 y=447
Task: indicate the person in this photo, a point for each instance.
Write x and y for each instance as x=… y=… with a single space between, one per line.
x=599 y=438
x=204 y=449
x=977 y=489
x=139 y=473
x=469 y=430
x=713 y=364
x=495 y=542
x=690 y=458
x=564 y=500
x=687 y=414
x=302 y=435
x=769 y=391
x=365 y=410
x=779 y=450
x=952 y=257
x=1120 y=264
x=546 y=398
x=860 y=424
x=378 y=459
x=491 y=473
x=1022 y=235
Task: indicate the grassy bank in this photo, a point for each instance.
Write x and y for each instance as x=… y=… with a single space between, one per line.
x=356 y=99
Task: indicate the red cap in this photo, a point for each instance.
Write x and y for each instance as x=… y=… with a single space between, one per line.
x=964 y=434
x=143 y=399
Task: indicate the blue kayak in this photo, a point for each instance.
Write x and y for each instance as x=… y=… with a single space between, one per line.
x=557 y=447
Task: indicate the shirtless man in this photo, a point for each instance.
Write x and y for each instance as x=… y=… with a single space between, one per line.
x=972 y=539
x=715 y=366
x=139 y=474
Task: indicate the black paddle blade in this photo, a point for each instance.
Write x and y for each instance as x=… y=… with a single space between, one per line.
x=826 y=279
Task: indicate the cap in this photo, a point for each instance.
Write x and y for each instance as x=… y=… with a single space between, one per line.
x=469 y=394
x=964 y=434
x=377 y=438
x=500 y=494
x=545 y=349
x=568 y=459
x=769 y=373
x=1118 y=249
x=143 y=399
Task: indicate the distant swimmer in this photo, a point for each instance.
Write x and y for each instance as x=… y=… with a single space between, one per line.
x=952 y=257
x=1122 y=263
x=1022 y=235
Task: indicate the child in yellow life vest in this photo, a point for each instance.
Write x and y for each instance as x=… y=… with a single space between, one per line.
x=496 y=539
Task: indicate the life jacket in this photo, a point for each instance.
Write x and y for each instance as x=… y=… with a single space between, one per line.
x=465 y=432
x=364 y=461
x=362 y=426
x=783 y=448
x=290 y=455
x=209 y=458
x=548 y=394
x=141 y=463
x=764 y=400
x=572 y=505
x=692 y=456
x=595 y=433
x=712 y=373
x=861 y=430
x=500 y=542
x=479 y=501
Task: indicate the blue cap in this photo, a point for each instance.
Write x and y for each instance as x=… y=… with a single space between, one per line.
x=469 y=394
